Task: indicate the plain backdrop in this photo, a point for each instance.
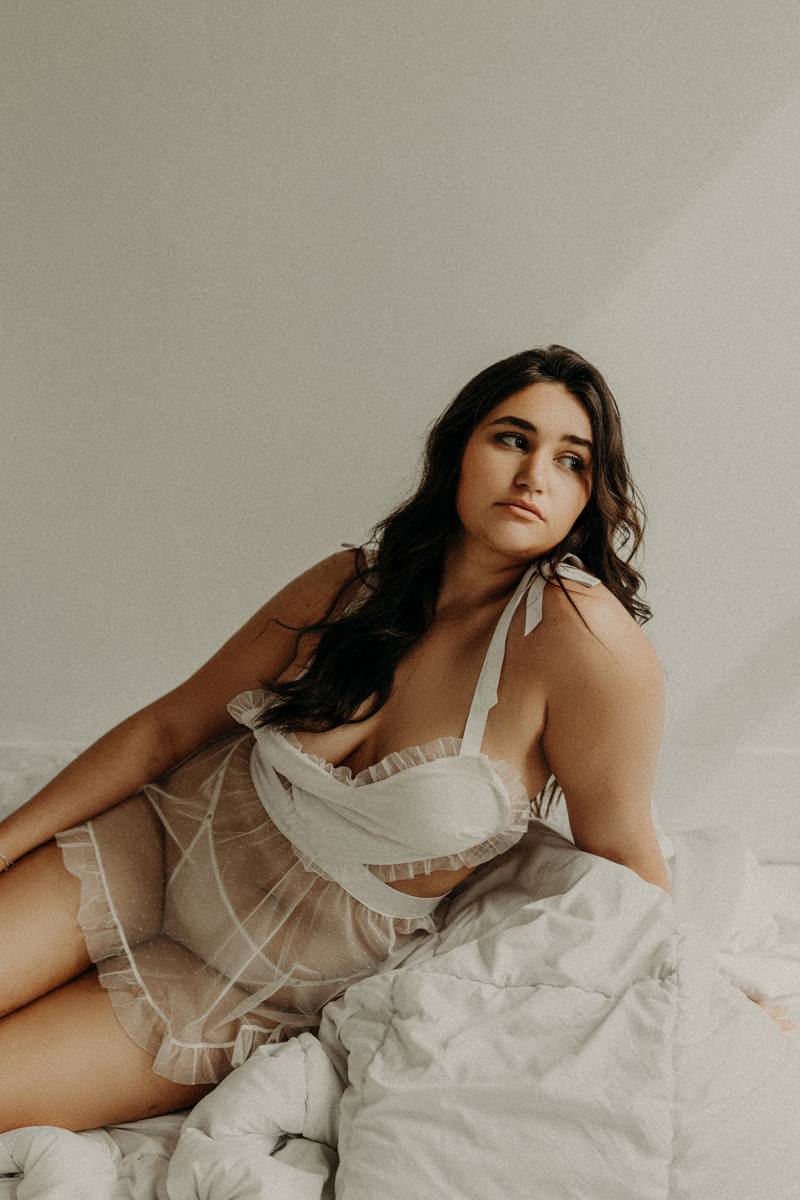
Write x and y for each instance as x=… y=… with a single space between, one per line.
x=251 y=249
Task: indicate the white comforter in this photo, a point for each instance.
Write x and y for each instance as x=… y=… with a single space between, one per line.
x=570 y=1034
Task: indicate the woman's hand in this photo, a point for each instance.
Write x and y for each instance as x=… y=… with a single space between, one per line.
x=778 y=1014
x=605 y=714
x=153 y=741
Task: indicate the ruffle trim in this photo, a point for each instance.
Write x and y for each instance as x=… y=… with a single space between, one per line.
x=201 y=1062
x=402 y=925
x=247 y=707
x=413 y=756
x=95 y=917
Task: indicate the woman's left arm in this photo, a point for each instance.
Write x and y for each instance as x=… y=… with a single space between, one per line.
x=605 y=715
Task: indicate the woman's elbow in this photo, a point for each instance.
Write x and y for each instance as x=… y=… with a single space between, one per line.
x=646 y=862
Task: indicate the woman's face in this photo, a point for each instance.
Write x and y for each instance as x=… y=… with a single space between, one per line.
x=526 y=474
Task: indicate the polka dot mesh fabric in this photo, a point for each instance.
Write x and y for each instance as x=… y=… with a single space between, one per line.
x=211 y=933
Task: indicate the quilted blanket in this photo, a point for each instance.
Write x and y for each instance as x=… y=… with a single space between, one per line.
x=570 y=1034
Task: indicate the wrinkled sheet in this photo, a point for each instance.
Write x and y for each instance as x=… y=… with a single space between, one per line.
x=234 y=1143
x=570 y=1033
x=268 y=1130
x=126 y=1162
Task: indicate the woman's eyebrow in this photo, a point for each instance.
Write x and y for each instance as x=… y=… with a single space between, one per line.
x=521 y=423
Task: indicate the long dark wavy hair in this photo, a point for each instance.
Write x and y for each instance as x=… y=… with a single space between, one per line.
x=359 y=650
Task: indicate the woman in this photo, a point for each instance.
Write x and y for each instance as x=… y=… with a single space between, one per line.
x=430 y=691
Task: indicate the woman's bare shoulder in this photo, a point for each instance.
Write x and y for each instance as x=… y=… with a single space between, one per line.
x=307 y=598
x=589 y=625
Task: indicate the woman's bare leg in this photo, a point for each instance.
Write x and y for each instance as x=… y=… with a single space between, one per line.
x=64 y=1057
x=66 y=1060
x=41 y=943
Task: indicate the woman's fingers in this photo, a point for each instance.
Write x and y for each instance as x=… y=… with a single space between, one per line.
x=778 y=1014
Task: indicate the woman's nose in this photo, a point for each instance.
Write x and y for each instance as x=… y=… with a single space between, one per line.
x=532 y=473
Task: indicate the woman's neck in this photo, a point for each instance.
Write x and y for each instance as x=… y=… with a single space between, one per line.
x=475 y=577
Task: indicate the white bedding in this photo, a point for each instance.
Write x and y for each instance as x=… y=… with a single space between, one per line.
x=269 y=1130
x=567 y=1036
x=570 y=1033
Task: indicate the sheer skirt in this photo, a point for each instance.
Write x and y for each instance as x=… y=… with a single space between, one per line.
x=210 y=934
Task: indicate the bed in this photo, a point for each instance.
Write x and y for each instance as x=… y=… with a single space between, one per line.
x=569 y=1033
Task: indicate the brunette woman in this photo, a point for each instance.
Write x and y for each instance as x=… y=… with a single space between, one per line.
x=212 y=871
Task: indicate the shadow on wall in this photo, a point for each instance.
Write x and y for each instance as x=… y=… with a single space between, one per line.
x=734 y=756
x=698 y=336
x=745 y=703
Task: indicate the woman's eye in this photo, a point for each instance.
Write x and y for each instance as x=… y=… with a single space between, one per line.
x=572 y=462
x=512 y=439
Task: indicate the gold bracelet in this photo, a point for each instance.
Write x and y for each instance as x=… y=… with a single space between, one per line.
x=8 y=861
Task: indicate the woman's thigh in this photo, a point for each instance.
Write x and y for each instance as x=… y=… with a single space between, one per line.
x=41 y=943
x=66 y=1060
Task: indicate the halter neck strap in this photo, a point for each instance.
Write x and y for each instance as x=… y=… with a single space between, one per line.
x=532 y=587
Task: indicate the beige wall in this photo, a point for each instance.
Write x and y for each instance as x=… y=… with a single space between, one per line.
x=702 y=328
x=254 y=248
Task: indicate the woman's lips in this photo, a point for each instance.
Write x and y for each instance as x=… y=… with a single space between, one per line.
x=527 y=512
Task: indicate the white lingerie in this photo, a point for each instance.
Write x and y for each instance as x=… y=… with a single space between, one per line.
x=226 y=904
